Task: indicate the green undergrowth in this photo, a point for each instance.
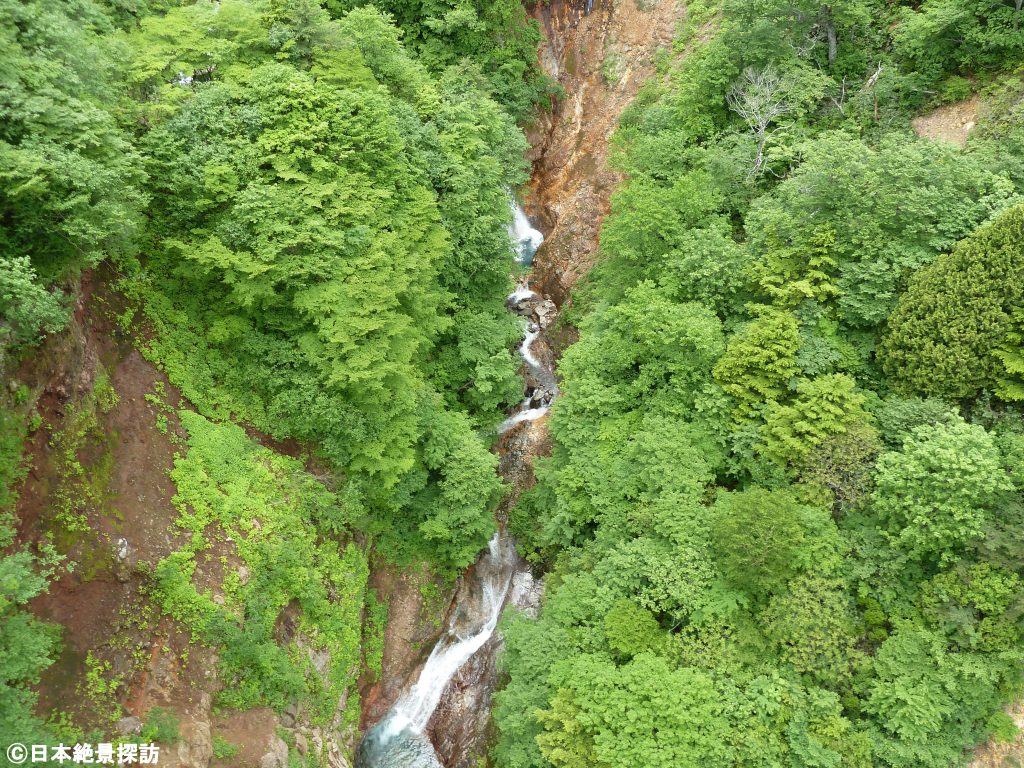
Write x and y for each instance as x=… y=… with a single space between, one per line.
x=83 y=488
x=373 y=636
x=287 y=594
x=27 y=645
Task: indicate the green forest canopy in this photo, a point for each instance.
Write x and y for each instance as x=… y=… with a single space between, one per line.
x=307 y=207
x=782 y=519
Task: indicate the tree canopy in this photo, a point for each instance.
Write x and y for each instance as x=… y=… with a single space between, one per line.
x=792 y=538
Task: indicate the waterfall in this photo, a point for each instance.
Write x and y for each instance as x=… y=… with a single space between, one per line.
x=525 y=239
x=414 y=708
x=532 y=332
x=525 y=413
x=520 y=294
x=399 y=740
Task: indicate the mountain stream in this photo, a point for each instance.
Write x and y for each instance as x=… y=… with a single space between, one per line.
x=400 y=739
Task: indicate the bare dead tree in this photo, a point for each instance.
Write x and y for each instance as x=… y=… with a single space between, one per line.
x=826 y=21
x=821 y=28
x=873 y=80
x=871 y=83
x=804 y=47
x=758 y=97
x=840 y=100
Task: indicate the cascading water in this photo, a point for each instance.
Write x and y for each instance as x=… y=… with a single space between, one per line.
x=494 y=574
x=399 y=740
x=525 y=239
x=536 y=403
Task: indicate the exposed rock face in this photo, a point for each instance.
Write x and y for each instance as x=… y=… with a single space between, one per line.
x=461 y=728
x=950 y=122
x=461 y=723
x=411 y=631
x=277 y=756
x=128 y=726
x=601 y=59
x=526 y=594
x=195 y=748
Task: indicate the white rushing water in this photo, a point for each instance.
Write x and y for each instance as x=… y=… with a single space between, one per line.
x=399 y=740
x=521 y=293
x=525 y=239
x=524 y=348
x=414 y=708
x=523 y=414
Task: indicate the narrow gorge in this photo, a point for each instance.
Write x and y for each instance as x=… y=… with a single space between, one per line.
x=441 y=716
x=402 y=738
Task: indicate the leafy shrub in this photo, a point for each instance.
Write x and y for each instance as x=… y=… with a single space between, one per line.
x=230 y=487
x=161 y=725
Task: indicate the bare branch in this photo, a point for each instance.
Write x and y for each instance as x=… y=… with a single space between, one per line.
x=840 y=102
x=758 y=97
x=874 y=78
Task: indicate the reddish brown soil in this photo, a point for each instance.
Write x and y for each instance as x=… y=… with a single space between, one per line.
x=101 y=602
x=248 y=731
x=601 y=59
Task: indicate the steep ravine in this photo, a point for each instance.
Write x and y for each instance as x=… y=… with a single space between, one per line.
x=441 y=713
x=600 y=56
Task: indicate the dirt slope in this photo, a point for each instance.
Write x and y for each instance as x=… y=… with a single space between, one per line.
x=950 y=122
x=600 y=58
x=98 y=488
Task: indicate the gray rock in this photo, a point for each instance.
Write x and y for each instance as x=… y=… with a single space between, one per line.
x=195 y=750
x=290 y=715
x=336 y=760
x=128 y=726
x=405 y=750
x=526 y=593
x=277 y=757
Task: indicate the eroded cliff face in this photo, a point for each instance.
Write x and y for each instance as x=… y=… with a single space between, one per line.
x=103 y=442
x=600 y=54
